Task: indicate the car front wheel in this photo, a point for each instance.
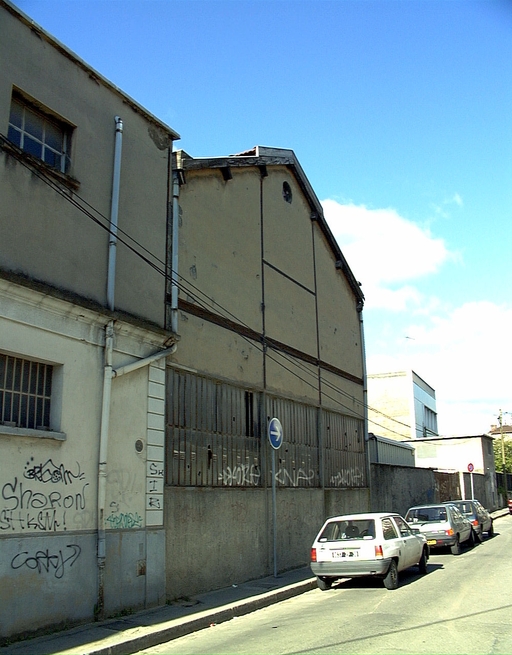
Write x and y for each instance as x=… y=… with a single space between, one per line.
x=391 y=579
x=324 y=583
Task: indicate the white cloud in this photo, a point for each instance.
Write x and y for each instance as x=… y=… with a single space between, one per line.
x=384 y=251
x=463 y=354
x=461 y=351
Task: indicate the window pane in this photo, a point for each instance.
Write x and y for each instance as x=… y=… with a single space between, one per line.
x=34 y=124
x=23 y=411
x=40 y=379
x=39 y=413
x=15 y=415
x=32 y=147
x=52 y=158
x=33 y=377
x=9 y=373
x=25 y=377
x=17 y=375
x=48 y=386
x=3 y=359
x=14 y=136
x=7 y=406
x=31 y=412
x=16 y=116
x=53 y=136
x=46 y=418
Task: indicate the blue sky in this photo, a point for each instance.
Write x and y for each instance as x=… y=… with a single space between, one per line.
x=401 y=116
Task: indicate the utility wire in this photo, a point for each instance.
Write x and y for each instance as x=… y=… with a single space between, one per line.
x=187 y=287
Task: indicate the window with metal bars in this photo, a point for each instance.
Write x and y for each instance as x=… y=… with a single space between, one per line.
x=25 y=393
x=39 y=134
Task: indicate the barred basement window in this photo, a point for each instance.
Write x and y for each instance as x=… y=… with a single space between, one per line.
x=25 y=393
x=39 y=133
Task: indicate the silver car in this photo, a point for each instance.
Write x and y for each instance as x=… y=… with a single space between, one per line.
x=375 y=544
x=443 y=525
x=480 y=518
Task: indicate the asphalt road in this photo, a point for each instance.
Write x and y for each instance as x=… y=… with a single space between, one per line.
x=463 y=605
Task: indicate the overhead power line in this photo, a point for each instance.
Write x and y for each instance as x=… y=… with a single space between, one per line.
x=200 y=297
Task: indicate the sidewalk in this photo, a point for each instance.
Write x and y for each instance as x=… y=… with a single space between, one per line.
x=148 y=628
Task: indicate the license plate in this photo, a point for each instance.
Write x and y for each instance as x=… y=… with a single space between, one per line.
x=340 y=554
x=432 y=542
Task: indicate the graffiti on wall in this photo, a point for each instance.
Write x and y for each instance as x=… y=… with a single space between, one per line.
x=44 y=562
x=118 y=519
x=352 y=477
x=241 y=474
x=44 y=498
x=293 y=479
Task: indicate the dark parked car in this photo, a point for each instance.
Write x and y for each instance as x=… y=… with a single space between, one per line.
x=510 y=505
x=480 y=518
x=442 y=525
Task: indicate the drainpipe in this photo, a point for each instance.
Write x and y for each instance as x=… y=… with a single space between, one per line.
x=107 y=371
x=365 y=397
x=174 y=255
x=114 y=210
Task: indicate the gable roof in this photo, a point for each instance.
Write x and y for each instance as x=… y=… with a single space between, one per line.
x=263 y=157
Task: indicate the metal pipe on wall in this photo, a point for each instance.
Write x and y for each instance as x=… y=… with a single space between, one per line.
x=174 y=253
x=114 y=211
x=107 y=371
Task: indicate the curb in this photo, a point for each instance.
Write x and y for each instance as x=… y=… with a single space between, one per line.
x=132 y=640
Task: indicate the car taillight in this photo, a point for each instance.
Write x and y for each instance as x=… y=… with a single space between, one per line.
x=313 y=554
x=449 y=532
x=475 y=522
x=378 y=552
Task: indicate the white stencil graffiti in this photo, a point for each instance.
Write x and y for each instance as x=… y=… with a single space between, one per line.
x=353 y=477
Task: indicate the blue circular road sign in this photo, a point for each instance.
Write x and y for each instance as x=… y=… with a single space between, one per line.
x=275 y=433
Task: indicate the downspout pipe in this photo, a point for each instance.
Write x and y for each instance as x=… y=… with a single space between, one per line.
x=174 y=247
x=140 y=363
x=114 y=211
x=365 y=395
x=107 y=371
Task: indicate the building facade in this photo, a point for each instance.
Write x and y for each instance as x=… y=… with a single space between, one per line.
x=270 y=325
x=401 y=406
x=156 y=311
x=85 y=176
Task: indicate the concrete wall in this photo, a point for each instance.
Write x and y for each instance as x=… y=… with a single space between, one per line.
x=396 y=488
x=219 y=537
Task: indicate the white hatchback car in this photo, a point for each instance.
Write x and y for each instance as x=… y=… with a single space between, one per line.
x=375 y=544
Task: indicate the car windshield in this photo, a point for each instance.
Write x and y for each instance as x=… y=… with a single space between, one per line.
x=348 y=529
x=466 y=508
x=426 y=515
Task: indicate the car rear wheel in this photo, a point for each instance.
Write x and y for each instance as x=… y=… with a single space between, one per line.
x=391 y=579
x=472 y=539
x=479 y=536
x=422 y=564
x=456 y=546
x=324 y=583
x=490 y=532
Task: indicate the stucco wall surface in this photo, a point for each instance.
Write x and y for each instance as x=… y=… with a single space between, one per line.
x=49 y=479
x=67 y=245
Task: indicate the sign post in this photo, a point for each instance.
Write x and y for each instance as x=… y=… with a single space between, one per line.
x=471 y=468
x=275 y=437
